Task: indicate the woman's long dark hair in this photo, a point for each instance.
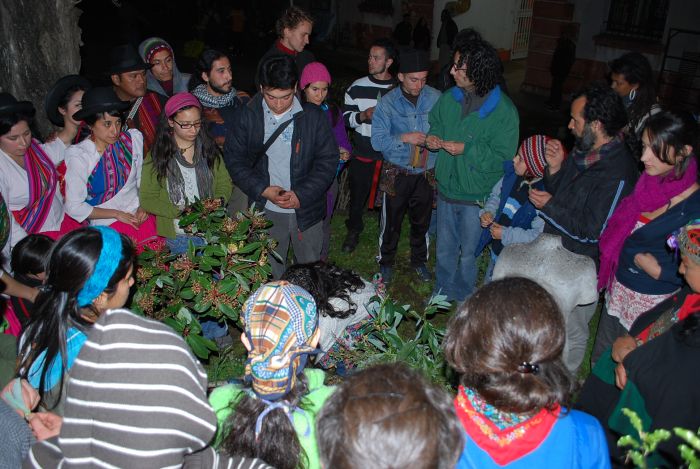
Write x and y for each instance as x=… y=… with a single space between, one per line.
x=325 y=281
x=637 y=71
x=56 y=309
x=278 y=443
x=164 y=147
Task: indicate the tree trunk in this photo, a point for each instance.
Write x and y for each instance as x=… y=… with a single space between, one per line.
x=41 y=43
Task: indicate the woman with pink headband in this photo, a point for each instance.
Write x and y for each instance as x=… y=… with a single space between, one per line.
x=185 y=165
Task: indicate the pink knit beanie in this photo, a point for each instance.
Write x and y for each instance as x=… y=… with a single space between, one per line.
x=313 y=72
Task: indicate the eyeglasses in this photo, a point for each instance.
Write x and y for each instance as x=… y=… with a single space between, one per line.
x=188 y=125
x=454 y=66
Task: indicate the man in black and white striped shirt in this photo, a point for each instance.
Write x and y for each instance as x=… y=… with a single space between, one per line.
x=136 y=397
x=360 y=101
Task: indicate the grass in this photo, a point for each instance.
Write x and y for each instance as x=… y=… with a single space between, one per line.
x=405 y=288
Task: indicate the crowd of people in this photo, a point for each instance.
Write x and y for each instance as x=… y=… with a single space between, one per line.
x=89 y=382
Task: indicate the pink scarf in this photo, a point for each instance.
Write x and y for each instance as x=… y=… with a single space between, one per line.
x=650 y=193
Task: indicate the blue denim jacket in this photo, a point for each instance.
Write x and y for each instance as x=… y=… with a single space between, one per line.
x=395 y=115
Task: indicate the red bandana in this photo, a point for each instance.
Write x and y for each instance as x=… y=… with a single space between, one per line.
x=507 y=445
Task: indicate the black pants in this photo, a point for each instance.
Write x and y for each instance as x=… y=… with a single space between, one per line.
x=360 y=178
x=413 y=195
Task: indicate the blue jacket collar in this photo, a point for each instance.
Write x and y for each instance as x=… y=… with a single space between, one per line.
x=489 y=105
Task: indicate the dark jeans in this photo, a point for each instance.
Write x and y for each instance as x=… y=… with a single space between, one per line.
x=360 y=179
x=414 y=195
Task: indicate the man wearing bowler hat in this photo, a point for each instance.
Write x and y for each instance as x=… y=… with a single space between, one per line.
x=399 y=127
x=128 y=73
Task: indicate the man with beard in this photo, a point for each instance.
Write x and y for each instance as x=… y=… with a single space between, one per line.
x=583 y=189
x=212 y=84
x=361 y=99
x=408 y=179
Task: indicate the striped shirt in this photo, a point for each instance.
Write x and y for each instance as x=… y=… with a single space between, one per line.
x=361 y=95
x=136 y=397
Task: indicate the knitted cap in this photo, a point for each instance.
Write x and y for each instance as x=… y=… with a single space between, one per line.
x=533 y=150
x=689 y=241
x=153 y=45
x=180 y=100
x=280 y=320
x=313 y=72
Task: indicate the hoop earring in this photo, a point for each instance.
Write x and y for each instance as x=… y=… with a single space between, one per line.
x=633 y=94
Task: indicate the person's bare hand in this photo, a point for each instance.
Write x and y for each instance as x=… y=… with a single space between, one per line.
x=648 y=263
x=45 y=425
x=496 y=231
x=554 y=155
x=622 y=346
x=453 y=148
x=344 y=154
x=128 y=218
x=486 y=219
x=141 y=215
x=539 y=198
x=366 y=115
x=291 y=200
x=414 y=138
x=433 y=142
x=620 y=376
x=275 y=194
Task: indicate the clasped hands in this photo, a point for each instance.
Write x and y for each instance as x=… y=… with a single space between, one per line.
x=433 y=142
x=281 y=197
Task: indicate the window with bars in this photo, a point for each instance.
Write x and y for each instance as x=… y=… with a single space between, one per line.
x=641 y=19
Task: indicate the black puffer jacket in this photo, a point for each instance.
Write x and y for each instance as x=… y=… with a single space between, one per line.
x=583 y=201
x=313 y=163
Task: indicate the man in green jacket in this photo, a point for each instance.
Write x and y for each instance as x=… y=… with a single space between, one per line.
x=474 y=125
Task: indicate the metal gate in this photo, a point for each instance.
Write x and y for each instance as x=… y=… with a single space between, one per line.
x=523 y=25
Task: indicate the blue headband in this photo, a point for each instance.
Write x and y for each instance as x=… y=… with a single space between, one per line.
x=107 y=263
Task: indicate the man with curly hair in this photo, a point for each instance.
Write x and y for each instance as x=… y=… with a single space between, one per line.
x=474 y=125
x=293 y=31
x=583 y=189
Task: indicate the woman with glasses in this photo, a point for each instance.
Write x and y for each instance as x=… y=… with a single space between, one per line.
x=185 y=165
x=103 y=172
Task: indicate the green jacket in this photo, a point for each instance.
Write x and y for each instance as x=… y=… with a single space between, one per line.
x=223 y=399
x=156 y=200
x=490 y=137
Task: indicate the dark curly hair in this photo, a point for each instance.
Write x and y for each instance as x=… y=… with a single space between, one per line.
x=389 y=416
x=637 y=71
x=325 y=281
x=290 y=19
x=484 y=67
x=605 y=106
x=504 y=324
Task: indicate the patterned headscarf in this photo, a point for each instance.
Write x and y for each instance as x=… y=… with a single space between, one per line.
x=280 y=321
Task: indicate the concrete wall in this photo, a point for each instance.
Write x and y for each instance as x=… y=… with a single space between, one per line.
x=494 y=19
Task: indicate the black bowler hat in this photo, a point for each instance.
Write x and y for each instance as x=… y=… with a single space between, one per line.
x=413 y=61
x=125 y=58
x=58 y=91
x=9 y=105
x=100 y=99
